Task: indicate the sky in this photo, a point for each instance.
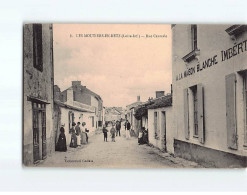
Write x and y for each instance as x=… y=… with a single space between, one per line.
x=117 y=69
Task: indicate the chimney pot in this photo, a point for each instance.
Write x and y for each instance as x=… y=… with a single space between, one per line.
x=76 y=83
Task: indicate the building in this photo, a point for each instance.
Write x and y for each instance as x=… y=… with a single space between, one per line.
x=113 y=113
x=71 y=111
x=38 y=74
x=160 y=123
x=82 y=94
x=130 y=115
x=209 y=93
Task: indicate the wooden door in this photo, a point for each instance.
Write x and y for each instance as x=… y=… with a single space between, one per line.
x=35 y=134
x=164 y=129
x=43 y=124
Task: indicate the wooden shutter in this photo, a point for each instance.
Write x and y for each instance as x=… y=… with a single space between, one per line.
x=231 y=111
x=186 y=114
x=200 y=113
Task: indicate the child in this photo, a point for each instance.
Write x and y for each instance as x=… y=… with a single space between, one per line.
x=105 y=133
x=113 y=131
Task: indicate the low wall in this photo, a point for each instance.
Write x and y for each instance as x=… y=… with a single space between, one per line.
x=208 y=157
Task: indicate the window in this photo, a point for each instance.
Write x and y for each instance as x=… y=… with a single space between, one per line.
x=37 y=47
x=195 y=110
x=92 y=121
x=194 y=37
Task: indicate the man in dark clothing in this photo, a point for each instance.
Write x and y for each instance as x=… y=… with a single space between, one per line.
x=118 y=128
x=127 y=129
x=105 y=133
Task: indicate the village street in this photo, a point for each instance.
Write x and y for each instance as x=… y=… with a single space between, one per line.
x=120 y=154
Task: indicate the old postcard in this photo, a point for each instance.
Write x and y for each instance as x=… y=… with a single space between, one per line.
x=135 y=95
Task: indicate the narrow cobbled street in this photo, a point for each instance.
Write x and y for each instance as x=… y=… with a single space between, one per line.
x=120 y=154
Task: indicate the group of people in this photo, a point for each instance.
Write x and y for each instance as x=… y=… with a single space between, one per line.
x=78 y=137
x=114 y=128
x=143 y=136
x=78 y=134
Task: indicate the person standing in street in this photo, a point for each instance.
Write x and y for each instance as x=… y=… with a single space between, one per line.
x=113 y=131
x=61 y=143
x=127 y=129
x=83 y=133
x=73 y=142
x=118 y=128
x=105 y=133
x=78 y=133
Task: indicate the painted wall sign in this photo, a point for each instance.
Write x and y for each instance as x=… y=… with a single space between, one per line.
x=225 y=55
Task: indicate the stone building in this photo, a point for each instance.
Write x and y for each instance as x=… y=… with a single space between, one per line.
x=88 y=102
x=38 y=78
x=209 y=66
x=113 y=113
x=71 y=111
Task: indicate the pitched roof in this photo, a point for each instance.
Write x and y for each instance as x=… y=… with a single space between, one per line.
x=161 y=102
x=142 y=110
x=85 y=90
x=62 y=104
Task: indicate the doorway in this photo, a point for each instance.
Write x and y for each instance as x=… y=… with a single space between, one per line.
x=39 y=132
x=163 y=127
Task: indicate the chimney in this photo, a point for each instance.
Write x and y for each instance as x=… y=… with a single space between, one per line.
x=56 y=92
x=70 y=96
x=160 y=94
x=76 y=83
x=138 y=98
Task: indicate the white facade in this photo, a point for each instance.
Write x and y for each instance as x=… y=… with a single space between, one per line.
x=79 y=116
x=215 y=78
x=163 y=137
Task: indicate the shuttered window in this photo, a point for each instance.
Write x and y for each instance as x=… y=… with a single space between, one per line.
x=200 y=113
x=186 y=114
x=195 y=108
x=197 y=114
x=194 y=37
x=37 y=47
x=231 y=111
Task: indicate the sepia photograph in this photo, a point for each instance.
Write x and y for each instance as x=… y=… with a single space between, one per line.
x=134 y=95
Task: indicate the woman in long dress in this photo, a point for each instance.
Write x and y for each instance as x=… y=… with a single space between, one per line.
x=73 y=142
x=83 y=133
x=61 y=143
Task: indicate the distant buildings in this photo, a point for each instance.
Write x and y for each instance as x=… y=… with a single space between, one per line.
x=113 y=113
x=38 y=134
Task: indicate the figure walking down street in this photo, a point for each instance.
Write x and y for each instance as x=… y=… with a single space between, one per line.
x=113 y=131
x=61 y=143
x=118 y=128
x=73 y=142
x=105 y=133
x=78 y=133
x=84 y=136
x=127 y=129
